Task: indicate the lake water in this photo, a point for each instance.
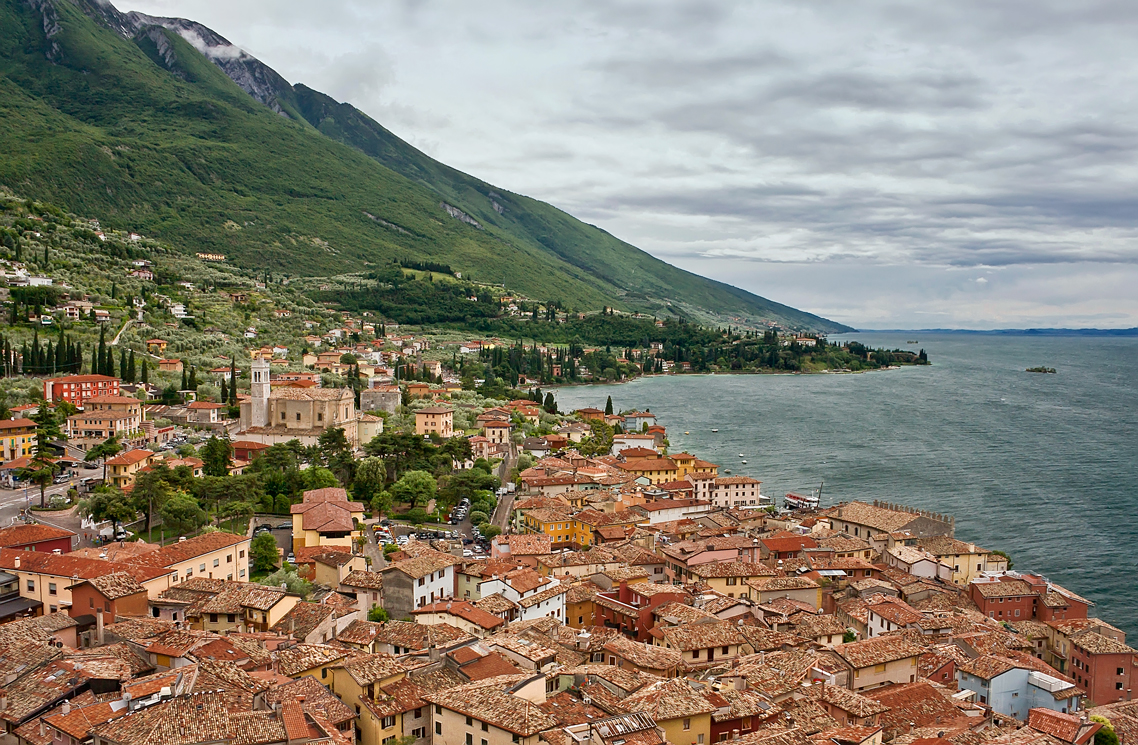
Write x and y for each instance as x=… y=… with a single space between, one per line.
x=1044 y=467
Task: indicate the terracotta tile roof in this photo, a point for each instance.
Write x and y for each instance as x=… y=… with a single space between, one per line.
x=302 y=619
x=1003 y=589
x=645 y=656
x=303 y=657
x=22 y=535
x=115 y=585
x=877 y=651
x=701 y=635
x=667 y=700
x=414 y=636
x=814 y=625
x=497 y=604
x=490 y=701
x=533 y=544
x=1096 y=643
x=316 y=697
x=421 y=566
x=781 y=584
x=877 y=518
x=681 y=613
x=191 y=548
x=465 y=611
x=489 y=665
x=38 y=562
x=137 y=629
x=848 y=701
x=715 y=569
x=130 y=458
x=364 y=580
x=921 y=703
x=373 y=668
x=184 y=720
x=1066 y=727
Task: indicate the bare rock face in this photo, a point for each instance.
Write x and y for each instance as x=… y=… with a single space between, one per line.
x=253 y=76
x=459 y=215
x=51 y=27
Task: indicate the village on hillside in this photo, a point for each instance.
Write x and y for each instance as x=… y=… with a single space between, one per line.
x=230 y=514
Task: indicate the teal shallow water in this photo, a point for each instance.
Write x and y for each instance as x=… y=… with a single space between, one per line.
x=1042 y=466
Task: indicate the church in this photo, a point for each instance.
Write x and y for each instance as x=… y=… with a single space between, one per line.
x=277 y=415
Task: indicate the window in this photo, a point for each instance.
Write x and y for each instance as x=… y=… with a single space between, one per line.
x=31 y=585
x=241 y=554
x=469 y=722
x=298 y=416
x=217 y=562
x=319 y=416
x=469 y=738
x=51 y=588
x=699 y=739
x=201 y=568
x=388 y=722
x=282 y=416
x=438 y=728
x=91 y=602
x=732 y=581
x=485 y=727
x=1118 y=686
x=230 y=618
x=422 y=581
x=229 y=558
x=1120 y=671
x=687 y=724
x=695 y=654
x=438 y=710
x=323 y=672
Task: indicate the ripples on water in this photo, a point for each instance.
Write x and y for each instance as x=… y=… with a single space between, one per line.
x=1042 y=466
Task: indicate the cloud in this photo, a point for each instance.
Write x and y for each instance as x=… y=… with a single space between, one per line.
x=901 y=137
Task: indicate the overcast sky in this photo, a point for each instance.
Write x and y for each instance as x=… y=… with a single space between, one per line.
x=885 y=164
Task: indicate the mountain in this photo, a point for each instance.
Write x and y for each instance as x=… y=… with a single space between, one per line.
x=163 y=127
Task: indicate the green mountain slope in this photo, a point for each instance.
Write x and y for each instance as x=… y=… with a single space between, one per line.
x=117 y=115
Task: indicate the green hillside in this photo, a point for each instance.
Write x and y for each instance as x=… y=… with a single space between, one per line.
x=109 y=116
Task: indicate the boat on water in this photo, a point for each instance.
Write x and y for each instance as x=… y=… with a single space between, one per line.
x=687 y=433
x=794 y=501
x=742 y=456
x=728 y=470
x=714 y=430
x=744 y=463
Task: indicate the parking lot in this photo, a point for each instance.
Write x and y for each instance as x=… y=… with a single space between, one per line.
x=280 y=527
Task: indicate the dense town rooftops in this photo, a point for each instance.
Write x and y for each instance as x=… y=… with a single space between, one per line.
x=493 y=702
x=669 y=699
x=877 y=651
x=465 y=611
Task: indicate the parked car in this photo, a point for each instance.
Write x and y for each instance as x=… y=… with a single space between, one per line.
x=261 y=529
x=291 y=558
x=285 y=526
x=467 y=553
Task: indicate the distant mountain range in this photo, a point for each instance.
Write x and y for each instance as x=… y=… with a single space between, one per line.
x=1012 y=332
x=162 y=126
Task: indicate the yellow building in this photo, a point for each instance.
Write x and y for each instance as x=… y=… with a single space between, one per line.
x=360 y=684
x=730 y=578
x=966 y=559
x=683 y=712
x=688 y=463
x=505 y=710
x=656 y=470
x=18 y=437
x=562 y=529
x=325 y=517
x=122 y=469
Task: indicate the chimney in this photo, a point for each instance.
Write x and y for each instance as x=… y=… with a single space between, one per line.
x=99 y=626
x=43 y=729
x=4 y=701
x=66 y=708
x=17 y=562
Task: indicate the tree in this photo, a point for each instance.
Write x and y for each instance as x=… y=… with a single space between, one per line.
x=550 y=404
x=489 y=531
x=477 y=518
x=416 y=516
x=378 y=614
x=371 y=475
x=145 y=371
x=105 y=450
x=292 y=581
x=849 y=637
x=414 y=488
x=336 y=453
x=182 y=514
x=41 y=468
x=216 y=456
x=108 y=503
x=263 y=552
x=1106 y=735
x=608 y=407
x=381 y=504
x=150 y=492
x=319 y=478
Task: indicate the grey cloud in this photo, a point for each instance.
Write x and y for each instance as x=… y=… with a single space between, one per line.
x=774 y=141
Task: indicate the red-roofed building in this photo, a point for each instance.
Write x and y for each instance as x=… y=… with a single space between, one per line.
x=247 y=450
x=36 y=537
x=784 y=546
x=76 y=389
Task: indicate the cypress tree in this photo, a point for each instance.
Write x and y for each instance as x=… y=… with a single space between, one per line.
x=131 y=370
x=224 y=392
x=102 y=366
x=193 y=378
x=122 y=362
x=146 y=371
x=110 y=364
x=232 y=381
x=184 y=381
x=94 y=360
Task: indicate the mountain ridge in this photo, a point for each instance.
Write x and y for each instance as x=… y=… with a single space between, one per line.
x=216 y=170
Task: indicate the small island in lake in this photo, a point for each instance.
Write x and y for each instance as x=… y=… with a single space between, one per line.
x=1041 y=369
